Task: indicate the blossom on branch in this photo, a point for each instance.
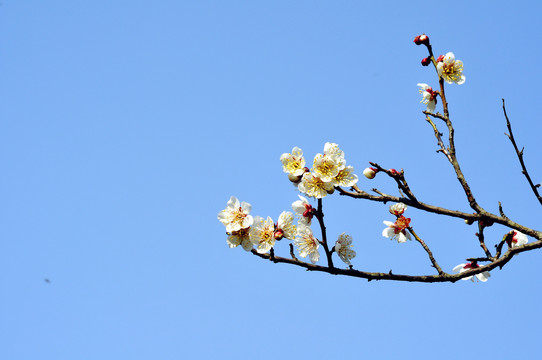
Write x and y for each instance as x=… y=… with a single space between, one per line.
x=397 y=230
x=262 y=234
x=429 y=96
x=325 y=167
x=303 y=210
x=343 y=248
x=450 y=69
x=236 y=215
x=307 y=244
x=294 y=163
x=346 y=177
x=515 y=238
x=332 y=150
x=483 y=276
x=313 y=186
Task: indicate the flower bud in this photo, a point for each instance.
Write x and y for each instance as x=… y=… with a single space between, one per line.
x=421 y=39
x=394 y=172
x=331 y=191
x=440 y=58
x=294 y=178
x=469 y=221
x=426 y=61
x=370 y=173
x=279 y=234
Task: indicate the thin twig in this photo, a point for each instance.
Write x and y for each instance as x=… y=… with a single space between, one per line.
x=520 y=156
x=429 y=253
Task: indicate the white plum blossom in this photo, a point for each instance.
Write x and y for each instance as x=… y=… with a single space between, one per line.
x=236 y=215
x=450 y=69
x=325 y=167
x=262 y=234
x=242 y=238
x=293 y=163
x=397 y=230
x=398 y=209
x=483 y=276
x=307 y=244
x=343 y=248
x=346 y=177
x=312 y=185
x=303 y=210
x=285 y=226
x=332 y=150
x=429 y=97
x=515 y=238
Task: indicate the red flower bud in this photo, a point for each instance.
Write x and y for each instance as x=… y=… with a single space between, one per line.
x=394 y=172
x=440 y=58
x=426 y=61
x=421 y=39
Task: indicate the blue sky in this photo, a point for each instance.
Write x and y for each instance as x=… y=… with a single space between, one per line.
x=127 y=125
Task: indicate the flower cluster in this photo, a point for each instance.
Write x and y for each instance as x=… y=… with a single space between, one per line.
x=429 y=97
x=328 y=171
x=247 y=231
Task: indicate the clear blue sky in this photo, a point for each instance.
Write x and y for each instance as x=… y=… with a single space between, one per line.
x=127 y=125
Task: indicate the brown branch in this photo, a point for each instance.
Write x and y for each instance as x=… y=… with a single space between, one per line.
x=480 y=235
x=438 y=135
x=442 y=211
x=320 y=217
x=410 y=278
x=520 y=156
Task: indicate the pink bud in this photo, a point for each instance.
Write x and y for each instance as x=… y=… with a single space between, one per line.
x=394 y=172
x=426 y=61
x=370 y=172
x=440 y=58
x=279 y=234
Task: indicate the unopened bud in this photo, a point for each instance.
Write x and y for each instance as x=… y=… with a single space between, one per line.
x=331 y=191
x=394 y=172
x=469 y=221
x=426 y=61
x=370 y=172
x=421 y=39
x=294 y=178
x=440 y=58
x=279 y=234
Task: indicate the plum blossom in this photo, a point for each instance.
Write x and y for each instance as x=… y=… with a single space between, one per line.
x=262 y=234
x=236 y=215
x=242 y=238
x=483 y=276
x=346 y=177
x=397 y=230
x=332 y=150
x=325 y=167
x=398 y=209
x=515 y=238
x=285 y=226
x=307 y=244
x=429 y=96
x=450 y=69
x=343 y=248
x=312 y=185
x=303 y=210
x=293 y=163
